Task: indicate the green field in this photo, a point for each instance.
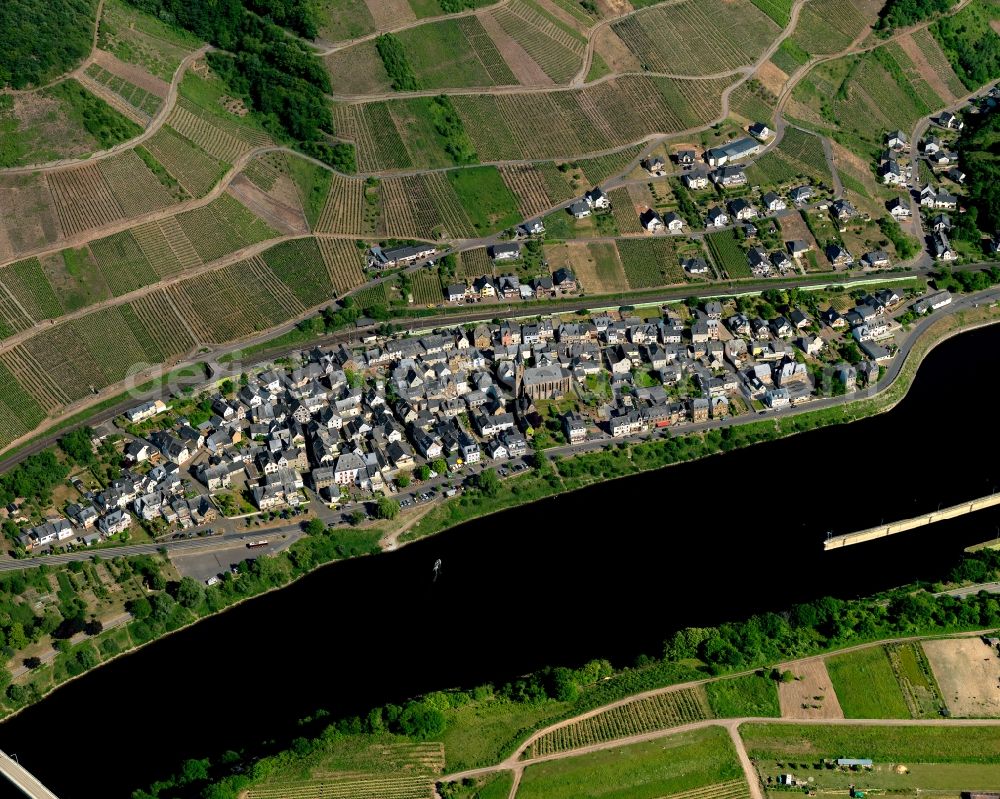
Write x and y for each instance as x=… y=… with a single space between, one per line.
x=641 y=771
x=655 y=262
x=481 y=733
x=299 y=265
x=866 y=685
x=741 y=697
x=883 y=744
x=486 y=199
x=727 y=253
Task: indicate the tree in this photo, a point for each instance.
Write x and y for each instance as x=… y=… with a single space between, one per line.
x=93 y=627
x=76 y=444
x=315 y=527
x=357 y=517
x=488 y=482
x=440 y=465
x=419 y=720
x=403 y=480
x=139 y=607
x=423 y=472
x=190 y=593
x=387 y=508
x=16 y=639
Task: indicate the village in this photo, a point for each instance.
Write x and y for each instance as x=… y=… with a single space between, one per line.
x=336 y=428
x=921 y=185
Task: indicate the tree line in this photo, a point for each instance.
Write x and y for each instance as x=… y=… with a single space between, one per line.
x=43 y=40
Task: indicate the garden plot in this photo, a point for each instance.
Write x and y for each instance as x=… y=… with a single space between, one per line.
x=810 y=695
x=698 y=37
x=280 y=210
x=655 y=262
x=475 y=263
x=83 y=199
x=966 y=669
x=189 y=165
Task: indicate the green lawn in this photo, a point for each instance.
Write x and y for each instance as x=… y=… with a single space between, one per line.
x=642 y=771
x=866 y=685
x=486 y=199
x=749 y=695
x=480 y=733
x=784 y=742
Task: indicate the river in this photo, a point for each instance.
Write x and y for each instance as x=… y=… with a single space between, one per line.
x=606 y=572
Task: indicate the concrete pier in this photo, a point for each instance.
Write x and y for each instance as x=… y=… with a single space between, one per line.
x=892 y=528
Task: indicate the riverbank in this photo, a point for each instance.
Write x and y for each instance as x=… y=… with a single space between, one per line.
x=492 y=728
x=568 y=475
x=583 y=470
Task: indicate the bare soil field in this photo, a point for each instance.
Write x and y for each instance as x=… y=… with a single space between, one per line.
x=616 y=55
x=967 y=671
x=525 y=69
x=927 y=72
x=771 y=77
x=597 y=265
x=284 y=216
x=389 y=13
x=46 y=131
x=27 y=215
x=132 y=73
x=811 y=696
x=358 y=70
x=794 y=226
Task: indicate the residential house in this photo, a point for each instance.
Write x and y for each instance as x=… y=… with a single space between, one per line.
x=760 y=131
x=773 y=202
x=899 y=209
x=651 y=220
x=656 y=165
x=597 y=199
x=575 y=427
x=533 y=227
x=398 y=256
x=695 y=266
x=797 y=247
x=741 y=209
x=941 y=247
x=876 y=259
x=800 y=195
x=838 y=256
x=505 y=252
x=685 y=157
x=579 y=209
x=897 y=140
x=674 y=223
x=729 y=177
x=933 y=302
x=717 y=217
x=456 y=292
x=776 y=398
x=695 y=181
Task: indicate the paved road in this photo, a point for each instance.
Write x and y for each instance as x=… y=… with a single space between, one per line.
x=23 y=779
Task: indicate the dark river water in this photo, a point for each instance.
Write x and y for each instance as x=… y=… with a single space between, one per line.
x=607 y=572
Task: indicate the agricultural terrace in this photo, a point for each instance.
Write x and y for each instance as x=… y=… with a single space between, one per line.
x=143 y=40
x=344 y=264
x=431 y=132
x=597 y=170
x=868 y=94
x=83 y=199
x=653 y=262
x=454 y=53
x=27 y=215
x=487 y=201
x=937 y=62
x=697 y=37
x=882 y=744
x=19 y=412
x=537 y=187
x=140 y=184
x=300 y=266
x=221 y=227
x=348 y=209
x=475 y=263
x=357 y=70
x=371 y=128
x=194 y=169
x=659 y=712
x=829 y=26
x=702 y=763
x=429 y=206
x=753 y=102
x=141 y=104
x=26 y=284
x=778 y=10
x=427 y=288
x=611 y=114
x=358 y=767
x=546 y=48
x=727 y=254
x=343 y=19
x=799 y=157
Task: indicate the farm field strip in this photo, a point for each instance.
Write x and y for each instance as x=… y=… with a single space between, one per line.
x=558 y=53
x=652 y=262
x=399 y=207
x=221 y=227
x=427 y=288
x=528 y=184
x=299 y=265
x=697 y=37
x=83 y=199
x=366 y=788
x=215 y=141
x=828 y=26
x=624 y=212
x=158 y=317
x=27 y=284
x=658 y=712
x=123 y=263
x=343 y=262
x=447 y=206
x=378 y=141
x=938 y=61
x=729 y=257
x=486 y=51
x=189 y=165
x=344 y=211
x=134 y=186
x=157 y=250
